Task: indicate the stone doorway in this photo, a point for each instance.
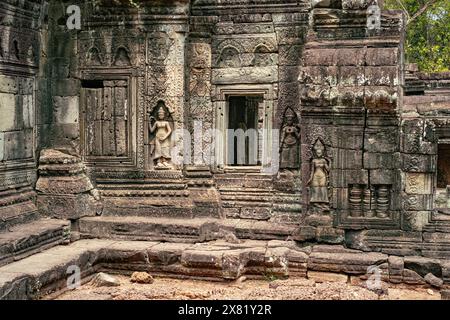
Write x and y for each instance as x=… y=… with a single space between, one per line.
x=243 y=141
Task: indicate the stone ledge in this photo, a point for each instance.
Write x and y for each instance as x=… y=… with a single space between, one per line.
x=47 y=272
x=27 y=239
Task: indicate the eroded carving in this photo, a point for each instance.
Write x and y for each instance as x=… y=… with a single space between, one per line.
x=160 y=129
x=320 y=178
x=290 y=138
x=229 y=58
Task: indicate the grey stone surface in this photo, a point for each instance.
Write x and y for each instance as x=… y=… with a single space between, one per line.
x=358 y=161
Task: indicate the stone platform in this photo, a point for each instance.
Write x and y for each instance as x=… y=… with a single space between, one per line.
x=46 y=272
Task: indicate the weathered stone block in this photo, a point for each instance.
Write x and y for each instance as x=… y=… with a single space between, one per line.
x=351 y=76
x=382 y=76
x=289 y=54
x=413 y=143
x=419 y=163
x=320 y=57
x=347 y=138
x=381 y=57
x=26 y=86
x=288 y=73
x=346 y=159
x=381 y=160
x=412 y=126
x=319 y=75
x=66 y=109
x=28 y=111
x=381 y=140
x=13 y=286
x=356 y=54
x=18 y=144
x=9 y=84
x=65 y=87
x=245 y=75
x=396 y=267
x=433 y=280
x=232 y=264
x=418 y=183
x=67 y=206
x=2 y=146
x=304 y=233
x=347 y=96
x=345 y=262
x=382 y=176
x=202 y=259
x=414 y=220
x=330 y=235
x=9 y=120
x=412 y=277
x=342 y=178
x=379 y=98
x=423 y=266
x=394 y=242
x=355 y=4
x=167 y=253
x=417 y=202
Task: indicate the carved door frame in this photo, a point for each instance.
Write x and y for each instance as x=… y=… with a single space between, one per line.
x=130 y=160
x=266 y=91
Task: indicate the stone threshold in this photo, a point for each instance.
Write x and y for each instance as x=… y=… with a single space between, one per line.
x=48 y=272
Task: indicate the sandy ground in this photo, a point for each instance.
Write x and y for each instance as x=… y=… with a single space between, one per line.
x=292 y=289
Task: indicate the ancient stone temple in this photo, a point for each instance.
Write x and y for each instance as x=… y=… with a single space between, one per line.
x=296 y=123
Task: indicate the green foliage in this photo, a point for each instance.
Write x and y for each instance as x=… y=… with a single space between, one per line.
x=428 y=34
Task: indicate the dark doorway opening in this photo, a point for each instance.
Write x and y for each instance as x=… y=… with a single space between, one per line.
x=243 y=145
x=443 y=166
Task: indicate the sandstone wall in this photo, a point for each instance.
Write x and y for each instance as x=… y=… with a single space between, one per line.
x=22 y=30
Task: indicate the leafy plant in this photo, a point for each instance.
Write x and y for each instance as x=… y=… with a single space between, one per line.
x=428 y=32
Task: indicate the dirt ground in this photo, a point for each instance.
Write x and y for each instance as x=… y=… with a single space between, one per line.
x=291 y=289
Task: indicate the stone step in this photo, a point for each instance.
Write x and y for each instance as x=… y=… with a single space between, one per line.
x=180 y=230
x=250 y=181
x=245 y=204
x=286 y=217
x=149 y=206
x=245 y=190
x=26 y=239
x=144 y=193
x=295 y=207
x=17 y=206
x=141 y=186
x=46 y=272
x=246 y=198
x=17 y=214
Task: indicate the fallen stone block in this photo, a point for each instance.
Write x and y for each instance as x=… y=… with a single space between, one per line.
x=433 y=280
x=104 y=280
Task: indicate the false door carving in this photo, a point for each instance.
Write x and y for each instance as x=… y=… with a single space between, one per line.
x=106 y=124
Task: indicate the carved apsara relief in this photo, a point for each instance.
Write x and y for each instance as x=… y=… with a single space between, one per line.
x=319 y=180
x=290 y=141
x=160 y=130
